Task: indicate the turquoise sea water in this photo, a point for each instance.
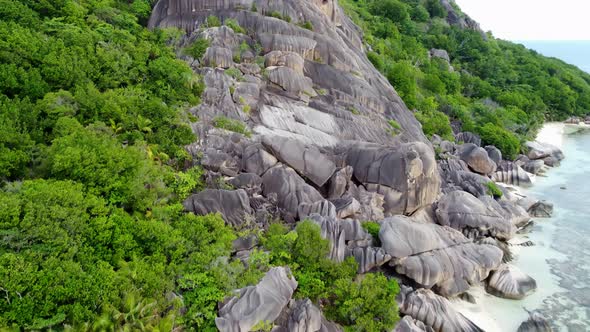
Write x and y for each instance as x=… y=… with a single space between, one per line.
x=574 y=52
x=569 y=308
x=560 y=259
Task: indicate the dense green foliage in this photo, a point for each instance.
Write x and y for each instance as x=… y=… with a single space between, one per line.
x=368 y=305
x=92 y=170
x=495 y=83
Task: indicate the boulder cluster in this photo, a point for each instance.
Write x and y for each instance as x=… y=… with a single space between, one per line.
x=324 y=136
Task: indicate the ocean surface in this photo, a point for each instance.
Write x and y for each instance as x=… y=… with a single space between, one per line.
x=560 y=259
x=573 y=52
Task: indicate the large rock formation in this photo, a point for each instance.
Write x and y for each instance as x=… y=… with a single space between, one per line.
x=477 y=159
x=464 y=212
x=233 y=205
x=406 y=176
x=435 y=312
x=261 y=303
x=435 y=256
x=510 y=283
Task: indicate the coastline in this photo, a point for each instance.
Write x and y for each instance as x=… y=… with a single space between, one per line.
x=494 y=314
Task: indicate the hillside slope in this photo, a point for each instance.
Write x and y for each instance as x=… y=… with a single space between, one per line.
x=244 y=165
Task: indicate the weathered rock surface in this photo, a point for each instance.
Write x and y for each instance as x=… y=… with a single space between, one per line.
x=250 y=182
x=539 y=150
x=511 y=173
x=435 y=312
x=494 y=153
x=306 y=160
x=330 y=58
x=233 y=205
x=510 y=282
x=261 y=303
x=472 y=183
x=291 y=190
x=257 y=160
x=534 y=166
x=368 y=258
x=408 y=324
x=436 y=256
x=535 y=323
x=303 y=316
x=407 y=176
x=464 y=212
x=541 y=209
x=467 y=137
x=477 y=159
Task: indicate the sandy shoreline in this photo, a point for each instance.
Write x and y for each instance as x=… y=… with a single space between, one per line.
x=480 y=312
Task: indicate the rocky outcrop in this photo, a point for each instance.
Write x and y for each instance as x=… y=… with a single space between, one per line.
x=466 y=213
x=407 y=176
x=257 y=160
x=535 y=323
x=303 y=316
x=408 y=324
x=537 y=150
x=510 y=283
x=254 y=304
x=435 y=312
x=468 y=138
x=533 y=166
x=306 y=160
x=349 y=238
x=291 y=190
x=477 y=159
x=541 y=209
x=233 y=205
x=435 y=256
x=494 y=153
x=511 y=173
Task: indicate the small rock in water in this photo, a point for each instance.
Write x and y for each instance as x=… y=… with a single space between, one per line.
x=563 y=188
x=535 y=323
x=467 y=297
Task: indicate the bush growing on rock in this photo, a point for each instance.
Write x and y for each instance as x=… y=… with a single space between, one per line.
x=365 y=305
x=231 y=125
x=197 y=48
x=501 y=138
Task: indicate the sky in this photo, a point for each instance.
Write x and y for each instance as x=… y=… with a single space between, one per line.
x=521 y=20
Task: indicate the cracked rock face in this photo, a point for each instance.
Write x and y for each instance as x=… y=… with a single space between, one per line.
x=437 y=257
x=291 y=190
x=306 y=160
x=510 y=282
x=407 y=176
x=464 y=212
x=435 y=312
x=261 y=303
x=299 y=62
x=233 y=205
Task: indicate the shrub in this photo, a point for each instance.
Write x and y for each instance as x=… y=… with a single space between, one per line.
x=494 y=190
x=213 y=21
x=197 y=49
x=231 y=125
x=306 y=25
x=376 y=60
x=395 y=127
x=234 y=73
x=501 y=138
x=366 y=305
x=435 y=122
x=373 y=228
x=234 y=25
